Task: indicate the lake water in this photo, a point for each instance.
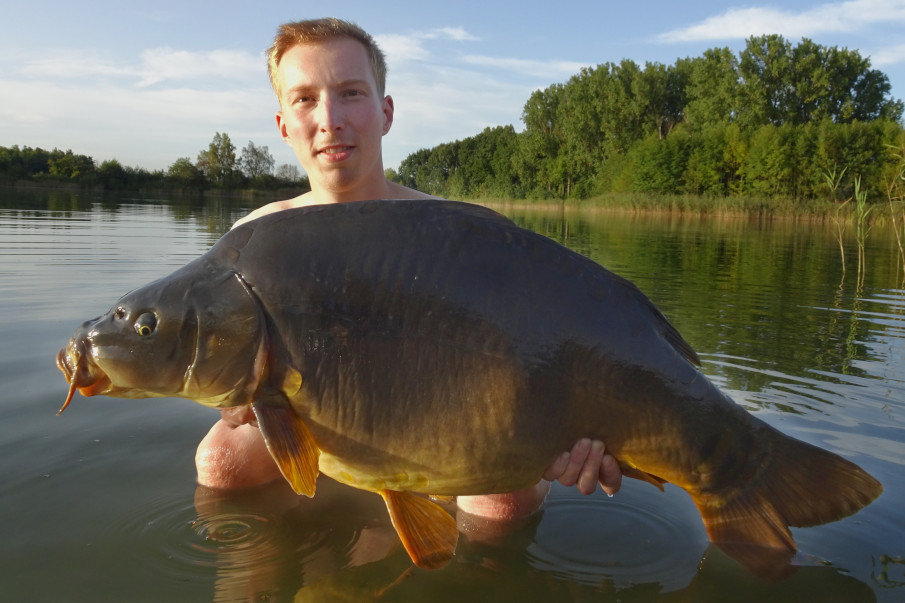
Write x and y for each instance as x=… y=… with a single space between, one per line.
x=101 y=503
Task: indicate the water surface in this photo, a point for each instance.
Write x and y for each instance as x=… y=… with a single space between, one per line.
x=101 y=504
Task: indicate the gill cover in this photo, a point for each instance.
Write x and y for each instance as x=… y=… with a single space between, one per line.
x=198 y=333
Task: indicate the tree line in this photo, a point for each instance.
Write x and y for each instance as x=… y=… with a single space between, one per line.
x=773 y=120
x=218 y=166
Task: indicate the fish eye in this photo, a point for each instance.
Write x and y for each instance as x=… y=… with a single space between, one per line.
x=145 y=324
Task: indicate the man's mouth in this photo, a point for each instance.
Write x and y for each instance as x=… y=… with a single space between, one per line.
x=336 y=152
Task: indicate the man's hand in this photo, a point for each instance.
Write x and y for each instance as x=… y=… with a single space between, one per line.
x=586 y=466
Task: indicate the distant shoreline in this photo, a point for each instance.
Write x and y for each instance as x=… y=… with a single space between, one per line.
x=641 y=203
x=245 y=194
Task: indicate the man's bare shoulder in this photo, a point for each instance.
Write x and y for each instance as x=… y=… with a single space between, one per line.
x=392 y=191
x=397 y=191
x=300 y=201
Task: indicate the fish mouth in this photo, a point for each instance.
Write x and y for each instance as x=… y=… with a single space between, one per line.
x=76 y=367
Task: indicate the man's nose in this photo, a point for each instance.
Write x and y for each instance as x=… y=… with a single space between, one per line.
x=330 y=114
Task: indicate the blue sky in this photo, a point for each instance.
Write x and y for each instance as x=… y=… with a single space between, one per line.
x=149 y=82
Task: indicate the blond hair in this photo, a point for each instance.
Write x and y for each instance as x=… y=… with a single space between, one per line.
x=314 y=31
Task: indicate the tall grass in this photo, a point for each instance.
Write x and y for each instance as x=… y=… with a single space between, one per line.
x=862 y=226
x=834 y=181
x=895 y=195
x=827 y=209
x=749 y=206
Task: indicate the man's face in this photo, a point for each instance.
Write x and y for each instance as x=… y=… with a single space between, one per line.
x=333 y=117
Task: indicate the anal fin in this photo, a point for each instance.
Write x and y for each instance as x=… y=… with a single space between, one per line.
x=291 y=444
x=427 y=531
x=635 y=473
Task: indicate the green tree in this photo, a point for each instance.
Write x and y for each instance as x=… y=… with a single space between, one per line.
x=579 y=136
x=707 y=172
x=288 y=172
x=482 y=164
x=11 y=164
x=504 y=142
x=218 y=163
x=766 y=72
x=659 y=165
x=112 y=174
x=256 y=161
x=408 y=168
x=536 y=160
x=621 y=111
x=767 y=122
x=70 y=166
x=781 y=84
x=184 y=173
x=434 y=175
x=661 y=95
x=32 y=161
x=712 y=90
x=770 y=167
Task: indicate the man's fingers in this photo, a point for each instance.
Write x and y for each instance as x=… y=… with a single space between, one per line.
x=557 y=467
x=586 y=465
x=577 y=458
x=238 y=415
x=610 y=475
x=590 y=468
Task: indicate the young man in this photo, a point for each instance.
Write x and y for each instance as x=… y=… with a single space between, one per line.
x=329 y=77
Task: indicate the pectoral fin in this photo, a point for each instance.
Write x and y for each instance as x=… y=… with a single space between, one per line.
x=428 y=533
x=291 y=444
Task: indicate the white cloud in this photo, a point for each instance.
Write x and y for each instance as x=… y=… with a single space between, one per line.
x=541 y=69
x=70 y=64
x=401 y=48
x=153 y=66
x=138 y=126
x=890 y=55
x=452 y=33
x=167 y=64
x=834 y=17
x=442 y=104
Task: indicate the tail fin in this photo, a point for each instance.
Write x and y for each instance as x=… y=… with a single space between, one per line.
x=800 y=485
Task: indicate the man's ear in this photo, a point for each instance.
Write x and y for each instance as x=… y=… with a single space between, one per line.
x=281 y=126
x=388 y=109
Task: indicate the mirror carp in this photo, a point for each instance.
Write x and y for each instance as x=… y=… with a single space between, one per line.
x=417 y=348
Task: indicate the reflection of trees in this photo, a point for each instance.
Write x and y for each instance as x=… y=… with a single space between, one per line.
x=761 y=291
x=213 y=214
x=889 y=571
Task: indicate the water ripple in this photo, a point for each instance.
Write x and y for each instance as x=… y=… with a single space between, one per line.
x=641 y=537
x=175 y=543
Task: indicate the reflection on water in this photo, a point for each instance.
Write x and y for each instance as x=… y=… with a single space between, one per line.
x=667 y=545
x=266 y=541
x=101 y=503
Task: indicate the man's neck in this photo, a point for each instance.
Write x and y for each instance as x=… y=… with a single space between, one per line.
x=378 y=189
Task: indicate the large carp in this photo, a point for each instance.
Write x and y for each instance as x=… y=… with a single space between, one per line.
x=435 y=347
